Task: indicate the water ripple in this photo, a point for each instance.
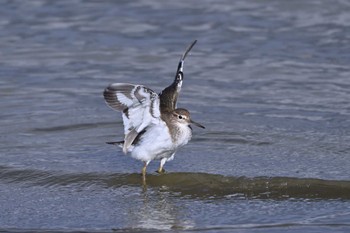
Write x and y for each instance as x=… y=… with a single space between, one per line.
x=191 y=185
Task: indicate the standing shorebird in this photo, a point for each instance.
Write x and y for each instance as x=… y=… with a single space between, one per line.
x=154 y=128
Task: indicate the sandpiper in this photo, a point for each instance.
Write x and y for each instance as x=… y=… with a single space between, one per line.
x=153 y=127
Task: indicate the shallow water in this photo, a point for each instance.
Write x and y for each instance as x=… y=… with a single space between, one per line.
x=269 y=80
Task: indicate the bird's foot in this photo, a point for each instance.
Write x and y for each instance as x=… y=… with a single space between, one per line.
x=161 y=171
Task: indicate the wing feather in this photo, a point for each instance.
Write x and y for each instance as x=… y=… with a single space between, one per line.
x=168 y=97
x=139 y=106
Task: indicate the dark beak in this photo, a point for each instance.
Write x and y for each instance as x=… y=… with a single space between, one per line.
x=197 y=124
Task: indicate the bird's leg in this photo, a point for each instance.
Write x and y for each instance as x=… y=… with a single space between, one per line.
x=161 y=169
x=143 y=172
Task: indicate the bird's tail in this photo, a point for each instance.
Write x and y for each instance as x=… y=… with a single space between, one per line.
x=120 y=143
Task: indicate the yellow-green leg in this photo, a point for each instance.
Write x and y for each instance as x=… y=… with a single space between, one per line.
x=161 y=169
x=143 y=172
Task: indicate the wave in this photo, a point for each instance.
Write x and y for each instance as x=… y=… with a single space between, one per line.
x=201 y=185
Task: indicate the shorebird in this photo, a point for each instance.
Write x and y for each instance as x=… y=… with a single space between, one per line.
x=153 y=127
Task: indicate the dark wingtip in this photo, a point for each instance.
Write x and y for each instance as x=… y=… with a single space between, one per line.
x=188 y=50
x=184 y=55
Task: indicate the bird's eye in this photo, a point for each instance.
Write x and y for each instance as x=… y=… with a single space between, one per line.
x=180 y=117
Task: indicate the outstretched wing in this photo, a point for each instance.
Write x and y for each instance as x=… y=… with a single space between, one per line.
x=168 y=97
x=139 y=106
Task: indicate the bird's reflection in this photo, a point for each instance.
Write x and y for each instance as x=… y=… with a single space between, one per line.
x=159 y=209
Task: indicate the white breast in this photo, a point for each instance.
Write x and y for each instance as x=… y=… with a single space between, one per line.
x=155 y=143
